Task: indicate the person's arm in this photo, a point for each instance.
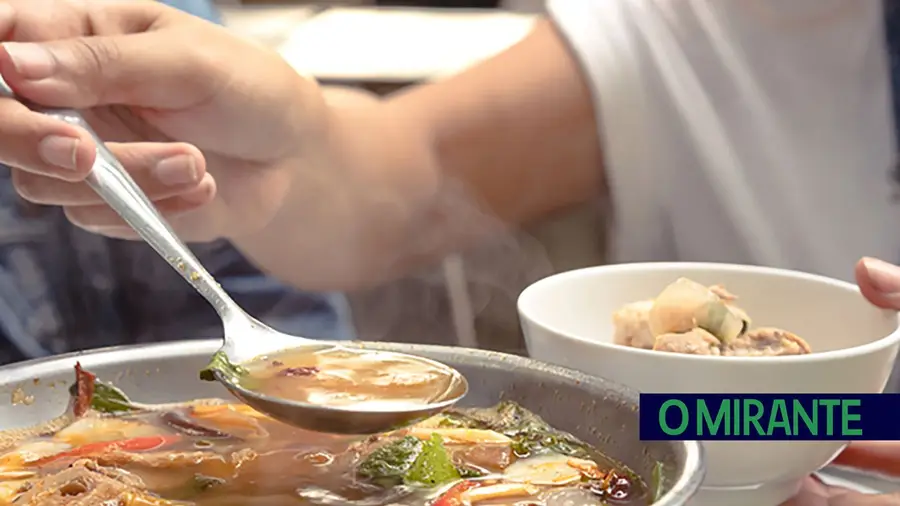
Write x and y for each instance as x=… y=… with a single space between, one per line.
x=428 y=170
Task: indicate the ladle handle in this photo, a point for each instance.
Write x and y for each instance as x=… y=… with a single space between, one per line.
x=116 y=187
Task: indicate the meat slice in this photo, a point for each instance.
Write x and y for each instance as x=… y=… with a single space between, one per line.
x=767 y=342
x=84 y=483
x=692 y=342
x=722 y=293
x=728 y=298
x=632 y=327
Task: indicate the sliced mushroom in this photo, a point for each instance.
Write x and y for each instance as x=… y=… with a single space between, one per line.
x=498 y=491
x=767 y=342
x=551 y=469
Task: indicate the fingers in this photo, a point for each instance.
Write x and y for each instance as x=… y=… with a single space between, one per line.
x=161 y=170
x=876 y=456
x=879 y=282
x=42 y=144
x=139 y=70
x=34 y=20
x=102 y=219
x=812 y=493
x=173 y=176
x=7 y=20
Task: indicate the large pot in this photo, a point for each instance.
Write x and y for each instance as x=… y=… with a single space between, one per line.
x=599 y=411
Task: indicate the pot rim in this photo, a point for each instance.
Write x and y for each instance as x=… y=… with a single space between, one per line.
x=688 y=484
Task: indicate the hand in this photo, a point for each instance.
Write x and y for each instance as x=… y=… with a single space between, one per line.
x=145 y=75
x=816 y=493
x=879 y=282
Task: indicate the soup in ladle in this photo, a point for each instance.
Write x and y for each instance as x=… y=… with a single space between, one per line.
x=345 y=377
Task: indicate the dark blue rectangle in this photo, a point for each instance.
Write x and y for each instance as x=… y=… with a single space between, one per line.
x=781 y=417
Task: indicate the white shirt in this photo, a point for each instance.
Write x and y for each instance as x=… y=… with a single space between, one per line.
x=748 y=131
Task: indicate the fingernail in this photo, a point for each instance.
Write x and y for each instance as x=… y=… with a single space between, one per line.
x=885 y=277
x=59 y=151
x=32 y=61
x=176 y=170
x=200 y=194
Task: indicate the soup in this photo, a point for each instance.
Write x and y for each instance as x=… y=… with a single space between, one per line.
x=687 y=317
x=345 y=377
x=108 y=450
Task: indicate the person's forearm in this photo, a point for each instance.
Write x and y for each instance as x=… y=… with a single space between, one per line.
x=347 y=219
x=396 y=183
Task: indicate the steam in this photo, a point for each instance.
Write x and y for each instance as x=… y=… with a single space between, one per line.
x=439 y=303
x=436 y=304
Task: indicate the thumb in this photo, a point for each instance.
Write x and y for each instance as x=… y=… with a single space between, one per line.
x=879 y=282
x=140 y=70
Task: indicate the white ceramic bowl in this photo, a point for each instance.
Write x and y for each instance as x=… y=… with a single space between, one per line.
x=567 y=320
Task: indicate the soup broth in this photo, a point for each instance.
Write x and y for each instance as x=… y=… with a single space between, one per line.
x=107 y=450
x=363 y=379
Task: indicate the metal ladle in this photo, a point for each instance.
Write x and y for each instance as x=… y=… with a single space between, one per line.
x=245 y=338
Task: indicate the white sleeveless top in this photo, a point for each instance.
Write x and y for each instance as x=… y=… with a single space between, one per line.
x=749 y=131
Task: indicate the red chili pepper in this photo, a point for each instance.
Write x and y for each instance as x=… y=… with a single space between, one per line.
x=137 y=444
x=453 y=497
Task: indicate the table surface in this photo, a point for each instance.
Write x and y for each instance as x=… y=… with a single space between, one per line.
x=270 y=25
x=380 y=44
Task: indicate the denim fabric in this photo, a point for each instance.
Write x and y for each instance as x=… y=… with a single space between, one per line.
x=63 y=289
x=203 y=8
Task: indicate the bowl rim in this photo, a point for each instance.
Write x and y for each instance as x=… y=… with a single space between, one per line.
x=530 y=293
x=689 y=481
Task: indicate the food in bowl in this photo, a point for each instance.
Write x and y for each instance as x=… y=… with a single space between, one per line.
x=688 y=317
x=109 y=450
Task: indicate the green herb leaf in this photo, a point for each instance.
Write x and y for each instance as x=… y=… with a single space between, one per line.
x=450 y=421
x=530 y=434
x=220 y=362
x=196 y=486
x=108 y=399
x=433 y=467
x=468 y=472
x=202 y=483
x=387 y=466
x=410 y=461
x=656 y=488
